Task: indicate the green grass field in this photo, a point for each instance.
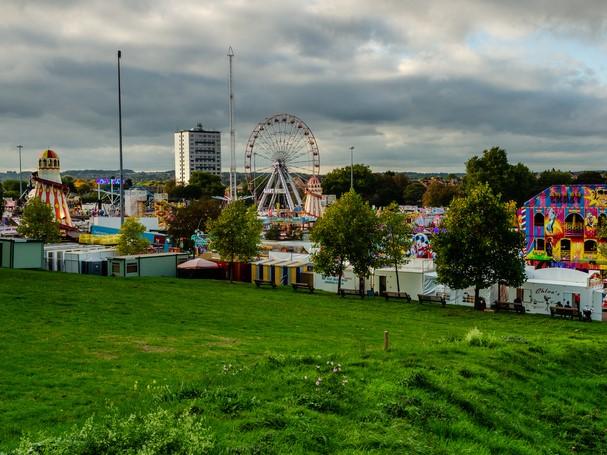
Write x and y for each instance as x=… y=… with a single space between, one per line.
x=226 y=368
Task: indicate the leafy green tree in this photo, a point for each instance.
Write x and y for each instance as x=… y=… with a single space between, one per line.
x=510 y=182
x=131 y=239
x=273 y=232
x=478 y=246
x=1 y=198
x=590 y=178
x=202 y=184
x=69 y=181
x=38 y=222
x=209 y=184
x=236 y=233
x=187 y=219
x=11 y=188
x=389 y=187
x=553 y=177
x=439 y=194
x=523 y=184
x=396 y=238
x=414 y=193
x=338 y=181
x=347 y=231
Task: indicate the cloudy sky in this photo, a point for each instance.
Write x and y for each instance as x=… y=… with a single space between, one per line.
x=412 y=85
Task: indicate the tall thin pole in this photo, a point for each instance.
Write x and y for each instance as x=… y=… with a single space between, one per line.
x=233 y=194
x=20 y=182
x=351 y=168
x=120 y=143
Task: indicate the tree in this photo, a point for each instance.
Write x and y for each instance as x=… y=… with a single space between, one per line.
x=131 y=239
x=1 y=198
x=553 y=177
x=83 y=187
x=11 y=188
x=38 y=222
x=389 y=187
x=337 y=181
x=273 y=232
x=522 y=184
x=196 y=215
x=396 y=238
x=478 y=246
x=439 y=194
x=590 y=178
x=236 y=233
x=413 y=193
x=209 y=184
x=347 y=231
x=510 y=182
x=69 y=181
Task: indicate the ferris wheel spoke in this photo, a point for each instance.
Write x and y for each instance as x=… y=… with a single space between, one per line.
x=264 y=144
x=301 y=169
x=300 y=155
x=268 y=146
x=272 y=137
x=263 y=170
x=257 y=153
x=303 y=162
x=298 y=146
x=294 y=138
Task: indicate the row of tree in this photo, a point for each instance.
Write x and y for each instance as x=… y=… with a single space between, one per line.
x=477 y=247
x=514 y=182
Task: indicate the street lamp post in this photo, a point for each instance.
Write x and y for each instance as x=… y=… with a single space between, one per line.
x=20 y=182
x=352 y=167
x=120 y=144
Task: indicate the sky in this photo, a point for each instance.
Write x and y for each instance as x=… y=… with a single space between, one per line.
x=412 y=85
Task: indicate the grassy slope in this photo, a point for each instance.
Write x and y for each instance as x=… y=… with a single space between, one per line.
x=247 y=360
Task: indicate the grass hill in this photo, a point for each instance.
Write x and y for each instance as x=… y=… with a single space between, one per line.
x=107 y=365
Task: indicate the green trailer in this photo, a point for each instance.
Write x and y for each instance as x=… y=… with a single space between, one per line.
x=160 y=264
x=21 y=253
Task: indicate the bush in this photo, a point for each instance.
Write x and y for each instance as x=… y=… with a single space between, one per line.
x=158 y=432
x=475 y=337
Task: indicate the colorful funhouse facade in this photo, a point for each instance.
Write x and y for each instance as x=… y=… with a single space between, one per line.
x=561 y=227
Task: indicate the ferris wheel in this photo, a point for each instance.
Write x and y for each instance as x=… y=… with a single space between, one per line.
x=281 y=154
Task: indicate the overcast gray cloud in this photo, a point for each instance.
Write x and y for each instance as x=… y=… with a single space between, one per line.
x=412 y=85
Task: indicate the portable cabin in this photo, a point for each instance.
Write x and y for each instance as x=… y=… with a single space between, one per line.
x=410 y=277
x=88 y=261
x=159 y=264
x=21 y=253
x=69 y=257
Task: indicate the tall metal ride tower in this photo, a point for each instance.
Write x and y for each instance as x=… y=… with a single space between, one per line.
x=232 y=194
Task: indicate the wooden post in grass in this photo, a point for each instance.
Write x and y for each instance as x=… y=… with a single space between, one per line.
x=386 y=340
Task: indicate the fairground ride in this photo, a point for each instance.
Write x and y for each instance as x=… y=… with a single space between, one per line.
x=281 y=154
